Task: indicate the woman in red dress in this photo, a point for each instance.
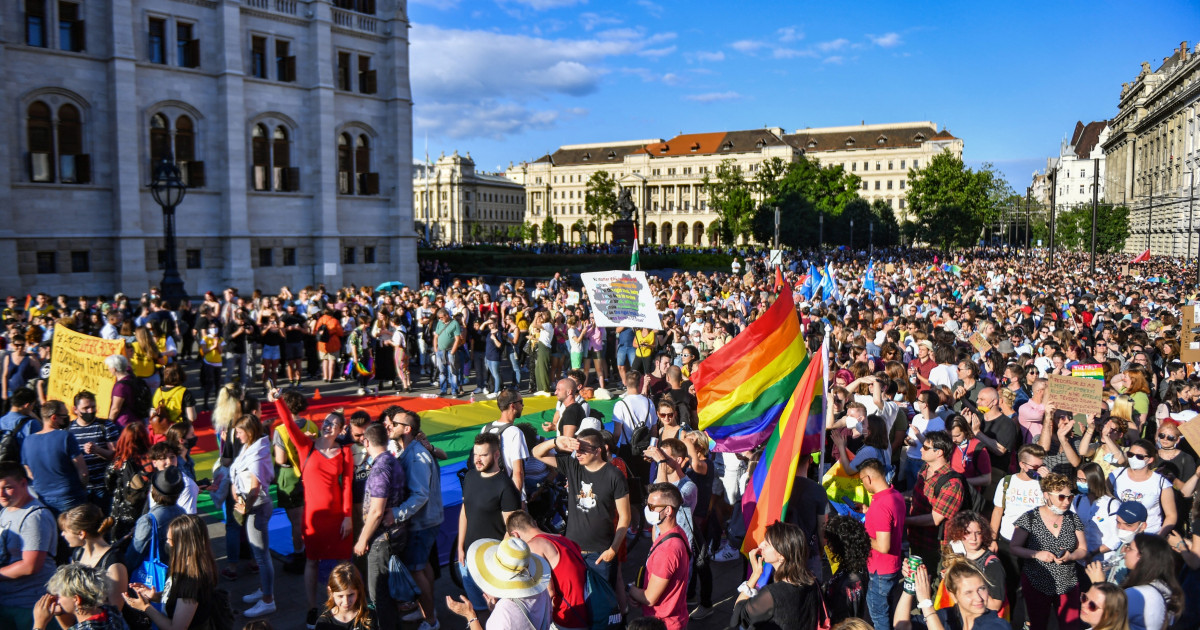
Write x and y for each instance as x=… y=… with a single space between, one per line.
x=327 y=471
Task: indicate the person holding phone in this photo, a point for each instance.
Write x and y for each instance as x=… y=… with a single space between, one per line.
x=188 y=598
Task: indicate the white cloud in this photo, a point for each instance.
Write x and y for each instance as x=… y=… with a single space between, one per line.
x=671 y=78
x=887 y=40
x=543 y=5
x=790 y=34
x=444 y=5
x=837 y=59
x=747 y=45
x=653 y=8
x=791 y=53
x=709 y=56
x=485 y=119
x=592 y=20
x=658 y=52
x=836 y=44
x=713 y=97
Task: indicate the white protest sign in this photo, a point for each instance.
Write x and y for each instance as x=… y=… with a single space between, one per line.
x=621 y=298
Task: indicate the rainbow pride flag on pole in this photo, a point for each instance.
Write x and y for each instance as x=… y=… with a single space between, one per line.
x=742 y=388
x=799 y=433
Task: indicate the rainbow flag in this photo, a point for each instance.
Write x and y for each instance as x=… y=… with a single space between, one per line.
x=799 y=433
x=742 y=388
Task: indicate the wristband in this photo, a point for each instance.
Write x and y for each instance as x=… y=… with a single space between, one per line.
x=471 y=621
x=925 y=603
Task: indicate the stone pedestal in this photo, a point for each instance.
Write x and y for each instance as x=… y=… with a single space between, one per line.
x=622 y=231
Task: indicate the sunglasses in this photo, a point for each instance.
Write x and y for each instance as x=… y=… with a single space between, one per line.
x=1137 y=455
x=1168 y=436
x=1089 y=605
x=1060 y=496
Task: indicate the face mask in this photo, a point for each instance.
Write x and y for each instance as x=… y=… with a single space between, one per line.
x=1033 y=474
x=652 y=516
x=191 y=442
x=87 y=417
x=964 y=443
x=1057 y=510
x=1081 y=487
x=1110 y=458
x=958 y=547
x=1137 y=464
x=1125 y=536
x=851 y=422
x=983 y=408
x=212 y=332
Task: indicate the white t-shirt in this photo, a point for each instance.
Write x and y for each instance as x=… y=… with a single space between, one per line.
x=575 y=347
x=917 y=430
x=1102 y=530
x=887 y=412
x=1148 y=493
x=512 y=443
x=1021 y=497
x=943 y=375
x=631 y=412
x=1147 y=608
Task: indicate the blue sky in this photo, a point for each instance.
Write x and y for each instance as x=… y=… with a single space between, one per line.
x=509 y=80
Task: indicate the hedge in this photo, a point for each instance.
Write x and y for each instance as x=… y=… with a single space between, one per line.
x=498 y=260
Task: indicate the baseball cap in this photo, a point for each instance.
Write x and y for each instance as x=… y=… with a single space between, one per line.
x=1132 y=512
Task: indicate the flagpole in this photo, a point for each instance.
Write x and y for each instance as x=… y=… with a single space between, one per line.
x=824 y=403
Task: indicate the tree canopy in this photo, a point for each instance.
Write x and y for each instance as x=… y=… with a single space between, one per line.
x=600 y=196
x=951 y=203
x=802 y=190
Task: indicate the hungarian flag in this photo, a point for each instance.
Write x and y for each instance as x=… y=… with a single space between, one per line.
x=633 y=258
x=1144 y=257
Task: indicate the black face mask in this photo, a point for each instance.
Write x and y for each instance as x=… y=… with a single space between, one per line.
x=191 y=442
x=88 y=418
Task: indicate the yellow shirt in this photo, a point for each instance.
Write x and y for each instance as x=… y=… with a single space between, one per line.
x=644 y=343
x=211 y=347
x=143 y=365
x=289 y=447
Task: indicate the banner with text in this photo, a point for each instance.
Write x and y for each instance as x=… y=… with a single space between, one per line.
x=1075 y=394
x=621 y=298
x=77 y=364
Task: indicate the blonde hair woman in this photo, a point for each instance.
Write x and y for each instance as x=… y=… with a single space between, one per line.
x=144 y=356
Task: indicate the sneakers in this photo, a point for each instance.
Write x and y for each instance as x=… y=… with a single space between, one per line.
x=701 y=612
x=414 y=615
x=425 y=625
x=260 y=609
x=310 y=621
x=229 y=573
x=726 y=553
x=493 y=395
x=361 y=391
x=253 y=597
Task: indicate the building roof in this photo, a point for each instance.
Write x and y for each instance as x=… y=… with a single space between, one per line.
x=873 y=137
x=1180 y=54
x=1086 y=137
x=590 y=154
x=714 y=143
x=496 y=179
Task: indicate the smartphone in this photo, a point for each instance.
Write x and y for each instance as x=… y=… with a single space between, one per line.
x=653 y=441
x=270 y=384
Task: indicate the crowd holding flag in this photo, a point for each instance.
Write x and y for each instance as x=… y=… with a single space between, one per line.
x=869 y=278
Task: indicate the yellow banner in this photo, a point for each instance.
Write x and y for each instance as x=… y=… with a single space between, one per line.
x=77 y=364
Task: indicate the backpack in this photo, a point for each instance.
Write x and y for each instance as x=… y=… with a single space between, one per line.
x=10 y=448
x=640 y=440
x=972 y=500
x=322 y=333
x=142 y=400
x=220 y=615
x=496 y=429
x=601 y=603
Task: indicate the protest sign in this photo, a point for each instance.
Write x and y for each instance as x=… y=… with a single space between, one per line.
x=572 y=298
x=621 y=298
x=77 y=364
x=1189 y=350
x=1125 y=270
x=1088 y=370
x=1190 y=431
x=1074 y=394
x=980 y=343
x=890 y=268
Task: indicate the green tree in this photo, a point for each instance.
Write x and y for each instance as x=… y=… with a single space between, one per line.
x=529 y=232
x=1112 y=228
x=549 y=230
x=730 y=198
x=515 y=233
x=801 y=190
x=951 y=203
x=887 y=230
x=600 y=196
x=580 y=227
x=1074 y=228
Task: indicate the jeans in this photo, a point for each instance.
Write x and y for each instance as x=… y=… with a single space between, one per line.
x=879 y=598
x=239 y=362
x=257 y=523
x=378 y=557
x=912 y=468
x=1042 y=607
x=516 y=366
x=233 y=535
x=474 y=593
x=606 y=570
x=446 y=371
x=493 y=368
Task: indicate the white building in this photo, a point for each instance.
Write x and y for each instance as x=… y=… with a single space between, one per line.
x=453 y=202
x=1079 y=168
x=290 y=119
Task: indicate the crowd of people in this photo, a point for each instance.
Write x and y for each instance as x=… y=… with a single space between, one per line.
x=951 y=492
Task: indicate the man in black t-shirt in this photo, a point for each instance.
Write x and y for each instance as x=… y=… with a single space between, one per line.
x=293 y=346
x=237 y=347
x=489 y=497
x=998 y=433
x=598 y=491
x=572 y=414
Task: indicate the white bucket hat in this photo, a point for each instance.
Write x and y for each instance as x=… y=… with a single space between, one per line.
x=506 y=569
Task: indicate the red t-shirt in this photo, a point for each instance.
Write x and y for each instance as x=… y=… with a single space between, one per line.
x=924 y=369
x=669 y=560
x=975 y=461
x=886 y=513
x=570 y=608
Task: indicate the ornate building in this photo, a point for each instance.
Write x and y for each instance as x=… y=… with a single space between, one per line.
x=291 y=121
x=666 y=175
x=1153 y=154
x=452 y=202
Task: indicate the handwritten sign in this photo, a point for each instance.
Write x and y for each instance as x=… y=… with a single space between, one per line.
x=1075 y=394
x=980 y=343
x=1125 y=270
x=890 y=268
x=1088 y=370
x=572 y=298
x=77 y=364
x=748 y=279
x=621 y=298
x=1191 y=432
x=1189 y=350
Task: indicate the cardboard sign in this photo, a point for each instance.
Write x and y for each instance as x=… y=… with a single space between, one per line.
x=1189 y=347
x=748 y=279
x=621 y=298
x=572 y=298
x=77 y=364
x=1125 y=269
x=980 y=343
x=1088 y=370
x=1074 y=394
x=1191 y=432
x=890 y=268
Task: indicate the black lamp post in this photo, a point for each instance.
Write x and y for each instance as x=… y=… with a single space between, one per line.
x=168 y=190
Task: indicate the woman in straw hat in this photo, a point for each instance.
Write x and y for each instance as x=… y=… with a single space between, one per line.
x=513 y=581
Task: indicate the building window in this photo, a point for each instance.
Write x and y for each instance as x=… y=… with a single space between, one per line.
x=260 y=148
x=70 y=28
x=348 y=256
x=369 y=255
x=854 y=167
x=158 y=40
x=891 y=202
x=916 y=163
x=890 y=165
x=354 y=166
x=73 y=166
x=1081 y=190
x=366 y=76
x=877 y=183
x=902 y=184
x=192 y=259
x=901 y=204
x=360 y=6
x=81 y=261
x=187 y=47
x=266 y=257
x=346 y=165
x=901 y=164
x=889 y=184
x=61 y=153
x=289 y=256
x=40 y=131
x=258 y=57
x=285 y=64
x=343 y=71
x=46 y=262
x=35 y=23
x=281 y=161
x=879 y=166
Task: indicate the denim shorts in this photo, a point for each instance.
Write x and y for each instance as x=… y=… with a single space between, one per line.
x=474 y=593
x=625 y=356
x=420 y=543
x=293 y=351
x=270 y=353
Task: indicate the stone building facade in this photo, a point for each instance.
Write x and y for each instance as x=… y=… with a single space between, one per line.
x=1074 y=170
x=454 y=203
x=291 y=121
x=666 y=176
x=1153 y=153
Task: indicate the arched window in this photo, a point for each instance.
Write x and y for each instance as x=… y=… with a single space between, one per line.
x=177 y=145
x=185 y=141
x=260 y=148
x=40 y=130
x=368 y=182
x=666 y=233
x=160 y=139
x=354 y=165
x=73 y=165
x=345 y=165
x=281 y=161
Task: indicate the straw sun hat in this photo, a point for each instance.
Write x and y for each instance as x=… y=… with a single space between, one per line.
x=506 y=569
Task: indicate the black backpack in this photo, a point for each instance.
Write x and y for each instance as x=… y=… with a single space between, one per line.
x=220 y=616
x=10 y=448
x=640 y=440
x=972 y=500
x=322 y=333
x=142 y=399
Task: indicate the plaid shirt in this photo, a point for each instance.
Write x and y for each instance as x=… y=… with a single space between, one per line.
x=926 y=499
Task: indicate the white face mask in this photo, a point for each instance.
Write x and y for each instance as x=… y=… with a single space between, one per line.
x=1137 y=464
x=1057 y=510
x=652 y=516
x=958 y=547
x=1125 y=535
x=851 y=422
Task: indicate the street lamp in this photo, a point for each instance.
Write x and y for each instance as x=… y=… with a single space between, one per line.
x=168 y=190
x=851 y=237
